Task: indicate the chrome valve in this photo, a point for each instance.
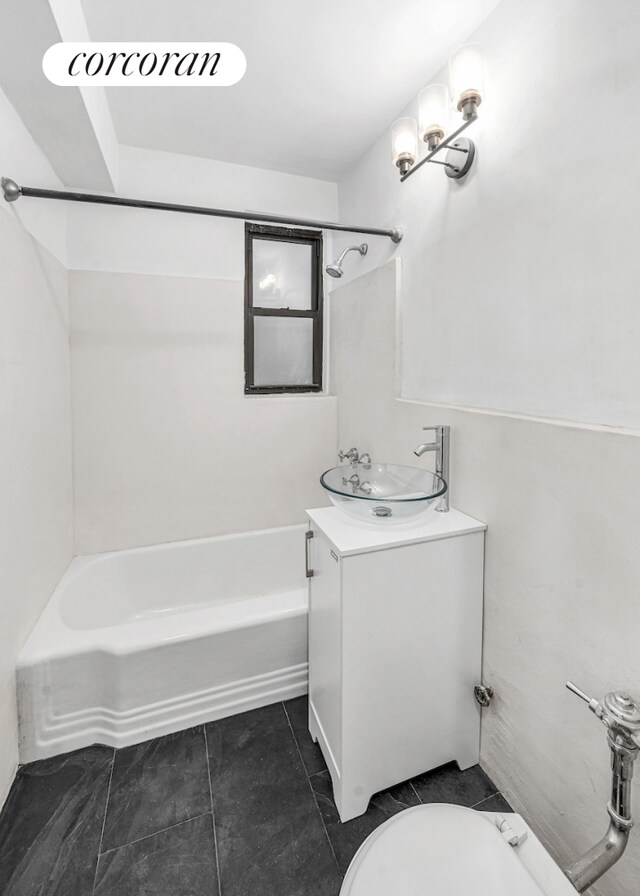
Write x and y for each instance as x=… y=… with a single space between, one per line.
x=353 y=457
x=618 y=712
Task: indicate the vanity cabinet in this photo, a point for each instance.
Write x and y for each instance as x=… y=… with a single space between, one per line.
x=395 y=648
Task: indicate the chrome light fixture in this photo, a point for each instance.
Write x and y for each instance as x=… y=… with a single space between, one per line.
x=404 y=143
x=467 y=91
x=433 y=113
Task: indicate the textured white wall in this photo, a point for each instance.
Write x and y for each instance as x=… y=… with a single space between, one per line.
x=561 y=575
x=166 y=444
x=36 y=523
x=140 y=241
x=521 y=283
x=520 y=292
x=24 y=162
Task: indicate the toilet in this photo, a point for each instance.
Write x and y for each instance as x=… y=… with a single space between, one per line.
x=445 y=850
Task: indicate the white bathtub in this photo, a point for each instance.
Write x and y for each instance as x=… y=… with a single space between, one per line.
x=139 y=643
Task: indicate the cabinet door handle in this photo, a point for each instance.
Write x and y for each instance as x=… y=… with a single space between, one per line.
x=307 y=538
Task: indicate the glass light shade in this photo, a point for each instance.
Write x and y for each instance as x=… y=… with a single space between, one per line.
x=404 y=140
x=433 y=105
x=466 y=74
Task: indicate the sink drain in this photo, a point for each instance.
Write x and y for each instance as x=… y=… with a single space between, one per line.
x=381 y=511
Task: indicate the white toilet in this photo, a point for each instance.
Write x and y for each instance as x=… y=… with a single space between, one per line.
x=444 y=850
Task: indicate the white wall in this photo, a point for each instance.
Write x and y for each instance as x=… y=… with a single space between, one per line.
x=152 y=242
x=166 y=444
x=538 y=247
x=561 y=577
x=36 y=524
x=22 y=161
x=521 y=283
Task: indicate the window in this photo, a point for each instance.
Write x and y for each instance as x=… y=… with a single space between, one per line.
x=283 y=310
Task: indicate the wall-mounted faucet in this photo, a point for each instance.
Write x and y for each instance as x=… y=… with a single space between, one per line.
x=441 y=448
x=620 y=714
x=353 y=457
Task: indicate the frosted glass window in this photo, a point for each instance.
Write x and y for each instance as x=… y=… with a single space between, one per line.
x=283 y=351
x=283 y=309
x=282 y=274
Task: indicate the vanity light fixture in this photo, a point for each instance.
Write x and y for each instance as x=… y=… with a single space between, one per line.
x=434 y=103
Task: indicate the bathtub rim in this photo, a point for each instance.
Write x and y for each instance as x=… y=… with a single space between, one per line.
x=52 y=638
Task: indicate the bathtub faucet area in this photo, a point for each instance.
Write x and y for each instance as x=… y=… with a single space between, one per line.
x=441 y=448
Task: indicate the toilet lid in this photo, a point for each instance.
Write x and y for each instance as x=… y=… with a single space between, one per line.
x=438 y=850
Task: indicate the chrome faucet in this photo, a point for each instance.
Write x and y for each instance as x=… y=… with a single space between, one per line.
x=441 y=448
x=353 y=457
x=620 y=714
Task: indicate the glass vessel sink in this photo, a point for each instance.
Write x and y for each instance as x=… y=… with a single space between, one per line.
x=382 y=492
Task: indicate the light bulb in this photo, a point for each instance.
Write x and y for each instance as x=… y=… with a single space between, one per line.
x=404 y=143
x=433 y=105
x=467 y=82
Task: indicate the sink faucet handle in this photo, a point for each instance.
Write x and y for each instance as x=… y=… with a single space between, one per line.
x=351 y=455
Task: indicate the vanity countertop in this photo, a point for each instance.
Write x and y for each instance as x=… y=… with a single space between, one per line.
x=351 y=536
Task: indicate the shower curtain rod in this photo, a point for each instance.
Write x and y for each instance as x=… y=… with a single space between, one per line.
x=13 y=191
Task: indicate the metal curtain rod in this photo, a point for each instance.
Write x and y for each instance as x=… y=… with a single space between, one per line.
x=13 y=191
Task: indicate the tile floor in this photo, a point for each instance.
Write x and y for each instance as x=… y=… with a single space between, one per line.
x=238 y=807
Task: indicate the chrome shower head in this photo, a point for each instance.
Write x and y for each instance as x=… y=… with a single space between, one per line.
x=335 y=269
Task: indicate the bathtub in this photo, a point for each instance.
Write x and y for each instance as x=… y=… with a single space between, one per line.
x=138 y=643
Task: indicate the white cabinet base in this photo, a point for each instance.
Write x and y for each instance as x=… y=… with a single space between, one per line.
x=395 y=638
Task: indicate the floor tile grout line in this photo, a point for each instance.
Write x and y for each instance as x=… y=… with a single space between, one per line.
x=485 y=798
x=155 y=833
x=213 y=815
x=416 y=793
x=308 y=777
x=104 y=821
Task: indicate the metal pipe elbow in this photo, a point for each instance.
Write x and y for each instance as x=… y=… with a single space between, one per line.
x=593 y=864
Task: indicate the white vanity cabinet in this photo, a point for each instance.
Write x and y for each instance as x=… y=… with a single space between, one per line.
x=395 y=644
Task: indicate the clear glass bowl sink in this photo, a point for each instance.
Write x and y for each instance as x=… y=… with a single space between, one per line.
x=382 y=492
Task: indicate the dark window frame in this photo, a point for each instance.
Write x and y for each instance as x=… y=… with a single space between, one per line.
x=288 y=235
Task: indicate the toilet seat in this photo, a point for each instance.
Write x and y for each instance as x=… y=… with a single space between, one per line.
x=445 y=850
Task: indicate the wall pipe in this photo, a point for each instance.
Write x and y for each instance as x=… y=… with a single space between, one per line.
x=12 y=191
x=620 y=714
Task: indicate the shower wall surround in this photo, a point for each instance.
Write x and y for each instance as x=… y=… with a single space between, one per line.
x=520 y=292
x=36 y=524
x=166 y=444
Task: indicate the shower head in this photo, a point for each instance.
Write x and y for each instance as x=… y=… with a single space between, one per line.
x=335 y=269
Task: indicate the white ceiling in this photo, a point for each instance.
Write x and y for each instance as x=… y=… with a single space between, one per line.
x=324 y=77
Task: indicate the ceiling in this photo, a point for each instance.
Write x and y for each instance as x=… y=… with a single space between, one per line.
x=324 y=77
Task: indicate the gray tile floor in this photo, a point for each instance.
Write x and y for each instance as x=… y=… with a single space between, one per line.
x=238 y=807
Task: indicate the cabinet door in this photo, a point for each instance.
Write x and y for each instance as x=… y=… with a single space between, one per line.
x=325 y=642
x=412 y=630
